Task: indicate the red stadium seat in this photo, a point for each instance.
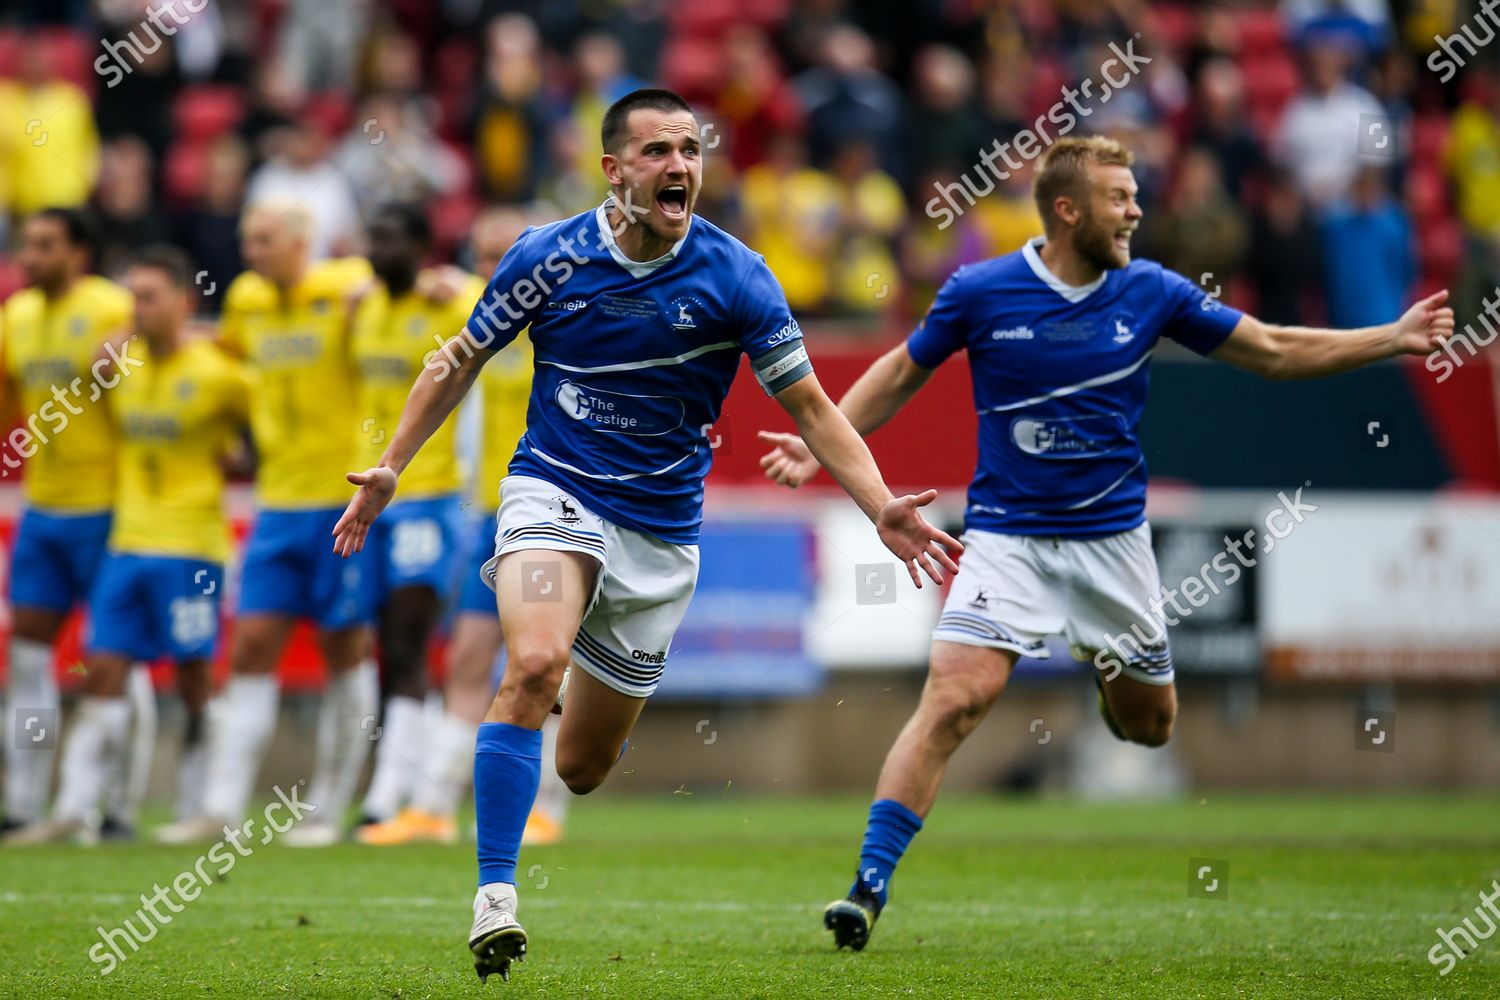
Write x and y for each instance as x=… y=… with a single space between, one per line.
x=1429 y=135
x=208 y=111
x=11 y=44
x=71 y=53
x=1440 y=249
x=183 y=172
x=1176 y=24
x=1261 y=30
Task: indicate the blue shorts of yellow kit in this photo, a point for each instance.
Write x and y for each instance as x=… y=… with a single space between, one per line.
x=57 y=559
x=290 y=568
x=474 y=595
x=413 y=543
x=148 y=606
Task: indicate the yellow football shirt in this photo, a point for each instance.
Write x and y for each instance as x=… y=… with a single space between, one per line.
x=297 y=344
x=177 y=416
x=392 y=338
x=505 y=390
x=50 y=352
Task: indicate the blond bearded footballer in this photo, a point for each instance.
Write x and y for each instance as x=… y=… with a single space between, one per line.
x=639 y=313
x=1059 y=335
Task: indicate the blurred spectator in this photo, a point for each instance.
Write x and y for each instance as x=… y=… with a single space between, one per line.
x=1362 y=26
x=1008 y=218
x=125 y=206
x=848 y=99
x=599 y=67
x=49 y=147
x=1390 y=82
x=275 y=100
x=320 y=39
x=874 y=211
x=792 y=215
x=1220 y=125
x=1318 y=138
x=300 y=172
x=1472 y=159
x=511 y=127
x=931 y=252
x=1367 y=254
x=392 y=155
x=946 y=128
x=1285 y=256
x=139 y=78
x=755 y=102
x=209 y=230
x=1200 y=233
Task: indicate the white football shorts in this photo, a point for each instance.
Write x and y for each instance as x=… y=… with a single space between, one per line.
x=641 y=593
x=1014 y=590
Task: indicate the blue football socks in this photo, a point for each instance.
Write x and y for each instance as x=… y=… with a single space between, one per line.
x=887 y=835
x=507 y=772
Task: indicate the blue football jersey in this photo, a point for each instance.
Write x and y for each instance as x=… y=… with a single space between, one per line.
x=1060 y=377
x=633 y=361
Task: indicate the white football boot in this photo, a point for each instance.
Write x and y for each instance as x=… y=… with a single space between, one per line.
x=496 y=937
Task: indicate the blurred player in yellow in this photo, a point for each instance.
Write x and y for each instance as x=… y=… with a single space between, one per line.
x=448 y=758
x=410 y=560
x=54 y=378
x=178 y=414
x=290 y=319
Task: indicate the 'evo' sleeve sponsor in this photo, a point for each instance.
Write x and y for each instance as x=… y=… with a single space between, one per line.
x=769 y=334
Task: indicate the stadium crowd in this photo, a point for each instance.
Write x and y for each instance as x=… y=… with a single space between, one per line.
x=1301 y=157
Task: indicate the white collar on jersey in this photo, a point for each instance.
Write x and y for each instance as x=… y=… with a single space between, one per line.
x=1073 y=293
x=637 y=268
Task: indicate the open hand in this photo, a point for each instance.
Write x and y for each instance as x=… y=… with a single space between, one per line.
x=376 y=487
x=789 y=462
x=915 y=542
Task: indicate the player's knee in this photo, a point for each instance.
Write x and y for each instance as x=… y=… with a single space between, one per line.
x=956 y=711
x=580 y=773
x=1151 y=728
x=535 y=667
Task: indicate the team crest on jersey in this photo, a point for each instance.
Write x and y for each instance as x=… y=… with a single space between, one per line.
x=415 y=326
x=183 y=390
x=76 y=326
x=684 y=312
x=569 y=513
x=1119 y=328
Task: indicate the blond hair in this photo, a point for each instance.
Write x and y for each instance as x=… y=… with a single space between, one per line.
x=1064 y=171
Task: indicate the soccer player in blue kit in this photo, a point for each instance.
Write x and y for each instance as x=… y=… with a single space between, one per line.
x=1059 y=335
x=638 y=315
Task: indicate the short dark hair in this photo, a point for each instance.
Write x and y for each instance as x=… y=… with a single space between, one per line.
x=169 y=260
x=612 y=132
x=76 y=225
x=412 y=219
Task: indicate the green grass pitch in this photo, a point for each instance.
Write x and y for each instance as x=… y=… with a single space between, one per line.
x=715 y=894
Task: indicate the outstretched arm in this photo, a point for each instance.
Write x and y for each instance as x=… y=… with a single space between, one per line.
x=1289 y=352
x=874 y=399
x=439 y=387
x=836 y=444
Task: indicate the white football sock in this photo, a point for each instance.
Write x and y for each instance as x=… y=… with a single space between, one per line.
x=192 y=763
x=345 y=725
x=238 y=744
x=28 y=773
x=99 y=735
x=398 y=758
x=131 y=771
x=447 y=766
x=553 y=795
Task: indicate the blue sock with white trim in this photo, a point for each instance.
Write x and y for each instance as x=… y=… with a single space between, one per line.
x=507 y=773
x=887 y=835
